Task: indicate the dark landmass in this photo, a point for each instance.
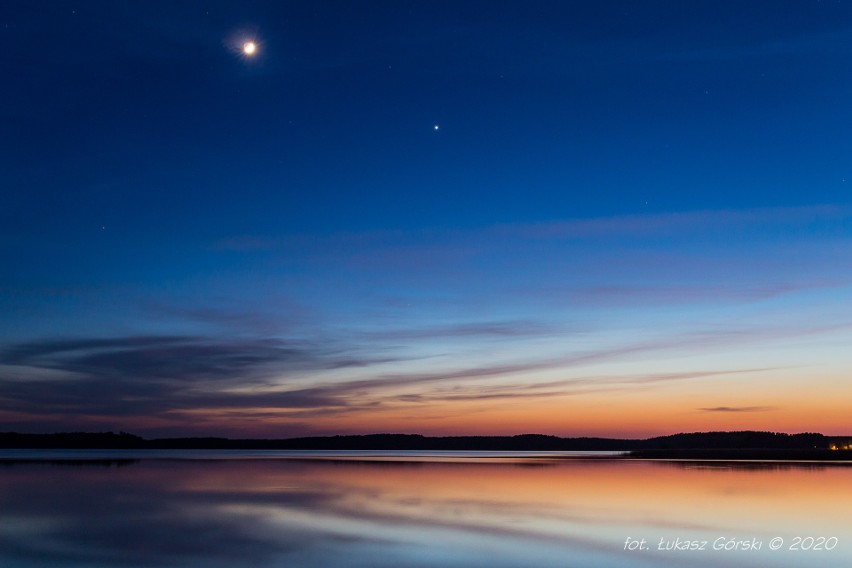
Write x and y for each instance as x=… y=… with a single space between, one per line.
x=70 y=462
x=123 y=440
x=739 y=454
x=72 y=441
x=699 y=445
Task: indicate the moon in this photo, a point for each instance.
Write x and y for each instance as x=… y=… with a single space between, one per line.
x=249 y=48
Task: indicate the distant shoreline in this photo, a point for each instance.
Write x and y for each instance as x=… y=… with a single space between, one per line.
x=742 y=454
x=742 y=445
x=745 y=458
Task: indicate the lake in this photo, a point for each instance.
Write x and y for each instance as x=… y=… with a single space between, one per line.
x=417 y=509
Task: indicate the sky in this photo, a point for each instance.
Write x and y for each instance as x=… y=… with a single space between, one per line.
x=456 y=217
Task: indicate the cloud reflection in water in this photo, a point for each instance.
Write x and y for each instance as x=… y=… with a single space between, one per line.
x=329 y=513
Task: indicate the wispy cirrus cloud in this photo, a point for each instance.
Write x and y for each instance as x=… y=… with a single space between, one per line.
x=564 y=387
x=174 y=377
x=693 y=257
x=158 y=357
x=738 y=409
x=505 y=329
x=695 y=221
x=155 y=374
x=621 y=295
x=251 y=319
x=678 y=222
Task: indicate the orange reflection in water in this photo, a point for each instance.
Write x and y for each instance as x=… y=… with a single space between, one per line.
x=379 y=510
x=596 y=502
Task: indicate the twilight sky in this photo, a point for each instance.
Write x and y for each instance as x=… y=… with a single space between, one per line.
x=453 y=217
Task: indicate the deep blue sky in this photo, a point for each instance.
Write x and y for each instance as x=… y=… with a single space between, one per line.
x=601 y=171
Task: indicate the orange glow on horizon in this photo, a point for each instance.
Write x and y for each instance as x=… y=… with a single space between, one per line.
x=635 y=413
x=623 y=416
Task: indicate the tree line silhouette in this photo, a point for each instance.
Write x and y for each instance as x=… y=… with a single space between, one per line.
x=741 y=440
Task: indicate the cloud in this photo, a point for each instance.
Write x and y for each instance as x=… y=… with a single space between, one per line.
x=289 y=315
x=472 y=383
x=476 y=329
x=564 y=387
x=693 y=257
x=183 y=358
x=441 y=242
x=738 y=409
x=620 y=295
x=152 y=375
x=191 y=380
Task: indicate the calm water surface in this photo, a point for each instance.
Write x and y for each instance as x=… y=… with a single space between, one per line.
x=377 y=509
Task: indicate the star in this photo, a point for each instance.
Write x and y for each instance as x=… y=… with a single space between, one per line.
x=436 y=127
x=249 y=48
